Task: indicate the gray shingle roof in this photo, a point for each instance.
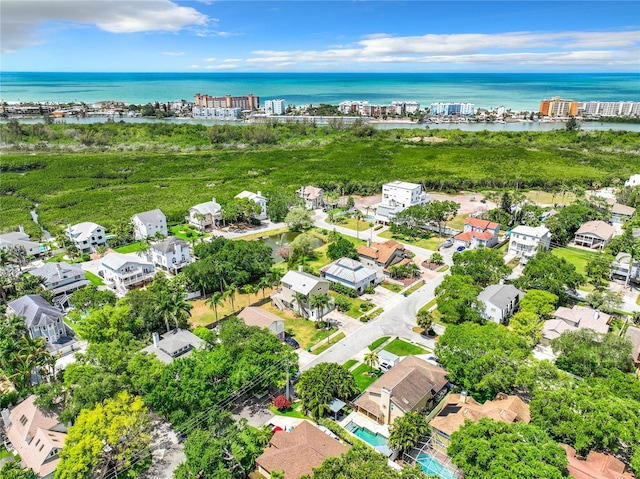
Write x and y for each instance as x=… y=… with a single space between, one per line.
x=115 y=260
x=500 y=294
x=36 y=310
x=150 y=216
x=301 y=282
x=56 y=271
x=349 y=270
x=169 y=244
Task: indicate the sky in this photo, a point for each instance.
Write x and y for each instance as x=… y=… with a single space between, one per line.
x=319 y=36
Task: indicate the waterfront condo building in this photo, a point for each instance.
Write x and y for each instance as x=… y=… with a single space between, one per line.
x=609 y=108
x=452 y=109
x=274 y=107
x=557 y=107
x=248 y=102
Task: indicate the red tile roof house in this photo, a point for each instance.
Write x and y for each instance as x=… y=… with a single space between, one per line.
x=37 y=436
x=477 y=233
x=298 y=452
x=597 y=465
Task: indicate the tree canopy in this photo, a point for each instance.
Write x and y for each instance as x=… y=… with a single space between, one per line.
x=458 y=300
x=341 y=247
x=406 y=431
x=550 y=273
x=320 y=384
x=485 y=266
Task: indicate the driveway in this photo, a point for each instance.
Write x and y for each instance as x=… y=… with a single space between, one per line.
x=167 y=452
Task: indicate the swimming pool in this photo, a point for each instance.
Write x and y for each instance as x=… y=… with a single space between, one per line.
x=431 y=465
x=369 y=437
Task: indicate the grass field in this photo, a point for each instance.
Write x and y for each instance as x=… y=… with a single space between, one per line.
x=131 y=248
x=327 y=344
x=361 y=375
x=95 y=279
x=105 y=172
x=415 y=287
x=429 y=243
x=377 y=343
x=403 y=348
x=202 y=314
x=391 y=287
x=303 y=330
x=577 y=257
x=350 y=363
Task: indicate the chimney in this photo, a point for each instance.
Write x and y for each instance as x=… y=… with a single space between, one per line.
x=463 y=397
x=368 y=242
x=301 y=268
x=5 y=418
x=21 y=229
x=259 y=193
x=59 y=270
x=156 y=339
x=596 y=314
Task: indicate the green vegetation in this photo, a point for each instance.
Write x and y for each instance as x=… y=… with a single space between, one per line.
x=364 y=377
x=335 y=339
x=133 y=247
x=350 y=363
x=373 y=346
x=104 y=172
x=320 y=384
x=575 y=256
x=396 y=288
x=4 y=453
x=403 y=348
x=293 y=411
x=415 y=287
x=94 y=278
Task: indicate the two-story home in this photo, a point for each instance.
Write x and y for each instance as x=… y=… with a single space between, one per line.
x=478 y=233
x=398 y=196
x=87 y=236
x=171 y=254
x=381 y=256
x=625 y=268
x=61 y=279
x=461 y=407
x=175 y=344
x=122 y=272
x=312 y=197
x=41 y=319
x=257 y=198
x=350 y=273
x=205 y=216
x=594 y=234
x=36 y=435
x=526 y=241
x=633 y=335
x=20 y=239
x=297 y=290
x=572 y=319
x=148 y=224
x=499 y=302
x=621 y=213
x=254 y=316
x=411 y=385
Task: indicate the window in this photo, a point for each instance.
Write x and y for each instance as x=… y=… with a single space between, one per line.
x=23 y=420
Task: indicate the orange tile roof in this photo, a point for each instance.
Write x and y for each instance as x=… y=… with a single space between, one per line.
x=597 y=465
x=381 y=252
x=469 y=235
x=478 y=223
x=299 y=451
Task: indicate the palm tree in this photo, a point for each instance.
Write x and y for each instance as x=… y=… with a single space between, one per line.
x=248 y=289
x=300 y=300
x=358 y=217
x=319 y=302
x=173 y=307
x=231 y=294
x=406 y=431
x=214 y=301
x=263 y=284
x=371 y=359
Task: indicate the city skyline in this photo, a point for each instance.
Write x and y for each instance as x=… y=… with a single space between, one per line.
x=266 y=36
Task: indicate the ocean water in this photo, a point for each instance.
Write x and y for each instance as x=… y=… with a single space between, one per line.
x=517 y=91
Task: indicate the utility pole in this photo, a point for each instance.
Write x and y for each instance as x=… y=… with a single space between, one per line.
x=286 y=393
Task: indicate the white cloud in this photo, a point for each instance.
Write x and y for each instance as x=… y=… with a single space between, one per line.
x=232 y=60
x=210 y=59
x=20 y=19
x=225 y=66
x=511 y=48
x=173 y=54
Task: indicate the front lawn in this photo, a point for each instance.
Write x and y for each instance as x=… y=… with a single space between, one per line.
x=186 y=232
x=403 y=348
x=131 y=248
x=351 y=223
x=396 y=288
x=349 y=364
x=94 y=278
x=336 y=339
x=302 y=330
x=361 y=375
x=577 y=257
x=374 y=345
x=355 y=310
x=415 y=287
x=426 y=243
x=293 y=411
x=202 y=314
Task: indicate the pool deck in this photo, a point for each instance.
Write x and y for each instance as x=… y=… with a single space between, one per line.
x=365 y=422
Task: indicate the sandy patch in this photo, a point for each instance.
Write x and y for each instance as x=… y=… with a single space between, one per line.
x=427 y=139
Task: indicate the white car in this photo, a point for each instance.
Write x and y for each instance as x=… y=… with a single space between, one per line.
x=384 y=367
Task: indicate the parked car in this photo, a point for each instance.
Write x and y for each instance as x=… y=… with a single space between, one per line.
x=384 y=367
x=460 y=248
x=292 y=342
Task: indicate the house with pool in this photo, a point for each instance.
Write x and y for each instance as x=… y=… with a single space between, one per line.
x=411 y=385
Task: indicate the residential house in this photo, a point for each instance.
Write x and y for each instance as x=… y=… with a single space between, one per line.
x=149 y=224
x=634 y=180
x=500 y=302
x=526 y=241
x=87 y=236
x=298 y=451
x=633 y=335
x=41 y=319
x=621 y=213
x=20 y=239
x=381 y=256
x=206 y=215
x=350 y=273
x=398 y=196
x=307 y=285
x=124 y=271
x=622 y=267
x=594 y=234
x=312 y=197
x=176 y=344
x=254 y=316
x=572 y=319
x=171 y=255
x=259 y=200
x=597 y=465
x=411 y=385
x=461 y=407
x=61 y=279
x=478 y=233
x=36 y=435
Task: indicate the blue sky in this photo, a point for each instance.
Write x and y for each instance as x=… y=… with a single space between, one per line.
x=368 y=36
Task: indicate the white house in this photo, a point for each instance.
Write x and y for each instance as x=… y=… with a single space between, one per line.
x=312 y=196
x=296 y=283
x=594 y=234
x=172 y=254
x=174 y=344
x=259 y=199
x=61 y=279
x=124 y=271
x=634 y=180
x=41 y=319
x=623 y=267
x=148 y=224
x=500 y=302
x=20 y=239
x=350 y=273
x=478 y=233
x=205 y=215
x=398 y=196
x=526 y=241
x=621 y=213
x=87 y=236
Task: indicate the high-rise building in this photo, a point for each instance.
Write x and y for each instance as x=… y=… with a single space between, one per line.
x=609 y=108
x=248 y=102
x=274 y=107
x=451 y=109
x=557 y=107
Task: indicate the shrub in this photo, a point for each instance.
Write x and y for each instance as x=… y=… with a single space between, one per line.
x=281 y=403
x=370 y=290
x=86 y=257
x=342 y=289
x=342 y=303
